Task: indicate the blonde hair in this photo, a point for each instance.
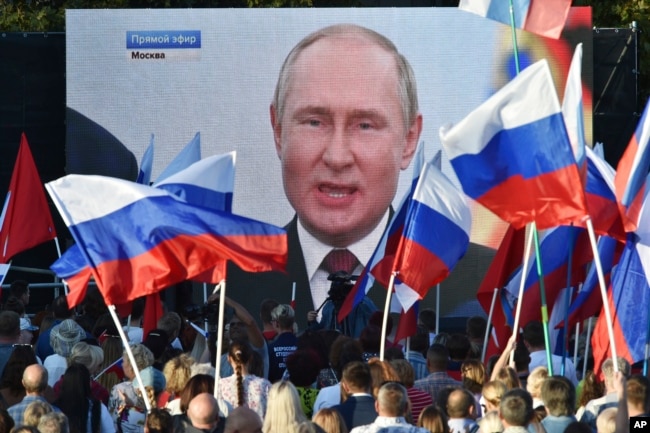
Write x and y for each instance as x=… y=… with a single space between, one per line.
x=535 y=380
x=491 y=422
x=380 y=372
x=606 y=421
x=34 y=411
x=142 y=355
x=86 y=354
x=177 y=372
x=493 y=391
x=473 y=373
x=284 y=411
x=330 y=420
x=433 y=419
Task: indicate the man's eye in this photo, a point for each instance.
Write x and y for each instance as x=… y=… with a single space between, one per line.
x=365 y=125
x=314 y=122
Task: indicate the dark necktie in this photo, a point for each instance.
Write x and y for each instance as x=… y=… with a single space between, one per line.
x=339 y=260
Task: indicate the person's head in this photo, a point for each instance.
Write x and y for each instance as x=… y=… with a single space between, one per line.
x=433 y=419
x=392 y=400
x=490 y=422
x=516 y=408
x=608 y=371
x=142 y=356
x=65 y=335
x=535 y=380
x=638 y=394
x=420 y=341
x=310 y=427
x=35 y=379
x=356 y=378
x=197 y=384
x=60 y=308
x=437 y=358
x=427 y=318
x=266 y=307
x=330 y=420
x=303 y=366
x=170 y=322
x=559 y=396
x=509 y=377
x=592 y=388
x=9 y=326
x=24 y=429
x=6 y=421
x=460 y=404
x=53 y=422
x=177 y=371
x=533 y=335
x=404 y=371
x=12 y=375
x=606 y=420
x=283 y=318
x=283 y=410
x=326 y=115
x=87 y=354
x=344 y=350
x=26 y=331
x=370 y=339
x=475 y=328
x=381 y=372
x=20 y=290
x=237 y=329
x=493 y=392
x=34 y=411
x=159 y=421
x=473 y=374
x=458 y=346
x=203 y=411
x=16 y=305
x=243 y=420
x=157 y=341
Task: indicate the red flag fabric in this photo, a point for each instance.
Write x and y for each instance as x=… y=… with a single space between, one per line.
x=505 y=263
x=26 y=220
x=153 y=310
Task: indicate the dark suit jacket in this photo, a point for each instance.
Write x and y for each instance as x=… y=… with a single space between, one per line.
x=357 y=411
x=250 y=289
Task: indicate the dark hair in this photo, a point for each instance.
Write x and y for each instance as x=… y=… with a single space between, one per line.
x=316 y=342
x=438 y=357
x=475 y=327
x=534 y=333
x=137 y=307
x=18 y=288
x=420 y=341
x=427 y=317
x=15 y=304
x=60 y=308
x=196 y=385
x=159 y=421
x=12 y=375
x=357 y=374
x=6 y=421
x=75 y=397
x=370 y=338
x=156 y=341
x=240 y=352
x=266 y=307
x=458 y=346
x=303 y=367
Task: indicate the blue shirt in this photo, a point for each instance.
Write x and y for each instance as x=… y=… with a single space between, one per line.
x=17 y=411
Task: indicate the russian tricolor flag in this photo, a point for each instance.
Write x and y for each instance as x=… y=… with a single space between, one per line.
x=542 y=17
x=436 y=233
x=512 y=154
x=631 y=178
x=139 y=239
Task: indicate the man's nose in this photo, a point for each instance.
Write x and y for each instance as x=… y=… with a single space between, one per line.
x=339 y=150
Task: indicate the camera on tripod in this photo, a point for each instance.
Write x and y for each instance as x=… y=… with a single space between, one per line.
x=206 y=312
x=342 y=284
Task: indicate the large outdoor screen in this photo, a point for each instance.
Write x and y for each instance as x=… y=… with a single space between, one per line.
x=173 y=73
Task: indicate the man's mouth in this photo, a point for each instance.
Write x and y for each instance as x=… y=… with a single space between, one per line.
x=336 y=191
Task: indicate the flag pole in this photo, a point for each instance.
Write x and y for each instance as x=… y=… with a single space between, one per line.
x=222 y=308
x=647 y=348
x=576 y=345
x=58 y=251
x=520 y=298
x=129 y=354
x=568 y=293
x=205 y=301
x=587 y=344
x=489 y=327
x=384 y=323
x=437 y=308
x=603 y=291
x=542 y=295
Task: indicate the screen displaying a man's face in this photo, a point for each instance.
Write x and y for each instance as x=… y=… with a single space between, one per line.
x=341 y=139
x=340 y=154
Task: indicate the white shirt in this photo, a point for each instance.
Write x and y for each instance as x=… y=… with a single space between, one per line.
x=314 y=251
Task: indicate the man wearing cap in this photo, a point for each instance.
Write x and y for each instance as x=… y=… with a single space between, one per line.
x=9 y=335
x=26 y=331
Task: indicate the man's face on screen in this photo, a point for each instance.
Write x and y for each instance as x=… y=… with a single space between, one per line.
x=342 y=139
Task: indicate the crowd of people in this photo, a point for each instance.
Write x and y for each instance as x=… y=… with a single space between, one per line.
x=69 y=372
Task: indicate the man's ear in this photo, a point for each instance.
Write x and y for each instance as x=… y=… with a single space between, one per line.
x=277 y=130
x=412 y=138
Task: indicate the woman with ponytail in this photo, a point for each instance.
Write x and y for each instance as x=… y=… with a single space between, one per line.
x=243 y=388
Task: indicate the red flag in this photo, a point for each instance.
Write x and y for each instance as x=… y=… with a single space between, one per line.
x=153 y=310
x=505 y=263
x=26 y=220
